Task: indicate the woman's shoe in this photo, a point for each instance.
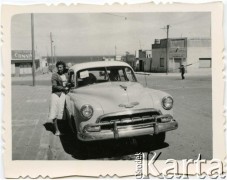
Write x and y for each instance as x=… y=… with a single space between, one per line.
x=57 y=133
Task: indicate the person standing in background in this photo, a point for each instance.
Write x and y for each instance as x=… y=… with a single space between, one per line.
x=182 y=71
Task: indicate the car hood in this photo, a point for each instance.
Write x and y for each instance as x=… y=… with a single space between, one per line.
x=116 y=96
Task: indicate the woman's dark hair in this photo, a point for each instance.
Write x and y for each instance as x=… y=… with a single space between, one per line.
x=61 y=63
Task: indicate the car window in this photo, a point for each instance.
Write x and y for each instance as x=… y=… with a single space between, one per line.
x=121 y=74
x=91 y=76
x=129 y=74
x=104 y=74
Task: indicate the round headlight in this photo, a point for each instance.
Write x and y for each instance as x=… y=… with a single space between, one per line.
x=167 y=103
x=86 y=111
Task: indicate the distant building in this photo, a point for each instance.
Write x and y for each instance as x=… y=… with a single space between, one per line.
x=108 y=59
x=130 y=59
x=43 y=65
x=143 y=60
x=181 y=51
x=112 y=58
x=118 y=58
x=21 y=62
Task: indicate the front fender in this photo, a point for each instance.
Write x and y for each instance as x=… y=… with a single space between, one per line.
x=75 y=105
x=157 y=97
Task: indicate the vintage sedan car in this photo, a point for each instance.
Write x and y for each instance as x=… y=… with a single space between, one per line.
x=108 y=102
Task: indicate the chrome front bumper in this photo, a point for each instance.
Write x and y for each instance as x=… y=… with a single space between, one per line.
x=123 y=129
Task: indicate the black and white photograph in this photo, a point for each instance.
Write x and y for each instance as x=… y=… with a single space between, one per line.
x=113 y=91
x=105 y=86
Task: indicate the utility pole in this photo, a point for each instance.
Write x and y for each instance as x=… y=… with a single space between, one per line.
x=54 y=53
x=167 y=50
x=115 y=52
x=33 y=51
x=51 y=44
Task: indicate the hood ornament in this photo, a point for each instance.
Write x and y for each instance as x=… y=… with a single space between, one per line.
x=129 y=105
x=123 y=87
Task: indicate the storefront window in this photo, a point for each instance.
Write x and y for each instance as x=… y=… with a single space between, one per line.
x=204 y=62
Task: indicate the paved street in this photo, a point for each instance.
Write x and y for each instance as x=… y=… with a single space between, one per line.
x=192 y=110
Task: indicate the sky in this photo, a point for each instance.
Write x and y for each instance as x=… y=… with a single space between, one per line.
x=84 y=34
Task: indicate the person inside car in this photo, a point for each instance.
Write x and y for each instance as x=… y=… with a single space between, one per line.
x=91 y=79
x=114 y=75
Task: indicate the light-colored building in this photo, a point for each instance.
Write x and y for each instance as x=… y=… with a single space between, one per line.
x=108 y=59
x=21 y=62
x=112 y=58
x=43 y=65
x=195 y=54
x=118 y=58
x=199 y=54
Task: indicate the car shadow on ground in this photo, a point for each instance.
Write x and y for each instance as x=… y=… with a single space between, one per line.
x=120 y=149
x=112 y=149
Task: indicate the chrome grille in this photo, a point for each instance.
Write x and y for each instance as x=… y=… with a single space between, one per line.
x=127 y=118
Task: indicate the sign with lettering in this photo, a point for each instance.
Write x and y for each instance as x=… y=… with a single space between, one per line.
x=21 y=54
x=177 y=52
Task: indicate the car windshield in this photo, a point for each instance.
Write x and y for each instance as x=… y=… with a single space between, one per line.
x=104 y=74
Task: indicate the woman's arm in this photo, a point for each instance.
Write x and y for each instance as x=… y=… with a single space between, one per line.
x=55 y=84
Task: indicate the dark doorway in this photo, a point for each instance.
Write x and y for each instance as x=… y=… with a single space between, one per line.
x=141 y=65
x=17 y=69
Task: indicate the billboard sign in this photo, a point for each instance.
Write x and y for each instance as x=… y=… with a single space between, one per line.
x=21 y=54
x=177 y=52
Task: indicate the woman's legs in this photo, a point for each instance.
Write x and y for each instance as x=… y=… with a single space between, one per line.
x=54 y=106
x=56 y=110
x=57 y=132
x=61 y=106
